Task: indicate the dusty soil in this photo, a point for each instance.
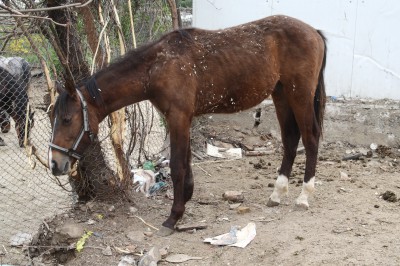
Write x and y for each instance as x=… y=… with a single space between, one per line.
x=349 y=222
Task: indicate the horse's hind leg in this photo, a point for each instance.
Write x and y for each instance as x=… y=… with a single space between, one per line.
x=290 y=139
x=310 y=133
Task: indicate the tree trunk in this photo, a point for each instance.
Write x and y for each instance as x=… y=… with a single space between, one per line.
x=174 y=14
x=92 y=177
x=92 y=36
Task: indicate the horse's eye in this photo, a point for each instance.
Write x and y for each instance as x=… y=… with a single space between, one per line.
x=66 y=120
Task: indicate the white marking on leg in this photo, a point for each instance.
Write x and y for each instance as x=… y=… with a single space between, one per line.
x=307 y=190
x=281 y=188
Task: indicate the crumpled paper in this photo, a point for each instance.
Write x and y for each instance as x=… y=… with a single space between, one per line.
x=235 y=238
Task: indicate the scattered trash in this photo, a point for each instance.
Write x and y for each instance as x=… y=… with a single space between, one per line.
x=82 y=240
x=344 y=176
x=112 y=208
x=218 y=152
x=148 y=165
x=150 y=258
x=127 y=261
x=156 y=187
x=389 y=196
x=107 y=251
x=91 y=221
x=233 y=196
x=179 y=258
x=191 y=226
x=235 y=238
x=145 y=178
x=373 y=146
x=20 y=239
x=163 y=174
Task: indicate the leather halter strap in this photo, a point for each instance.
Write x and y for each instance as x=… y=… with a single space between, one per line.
x=85 y=128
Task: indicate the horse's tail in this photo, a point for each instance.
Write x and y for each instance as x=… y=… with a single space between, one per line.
x=320 y=94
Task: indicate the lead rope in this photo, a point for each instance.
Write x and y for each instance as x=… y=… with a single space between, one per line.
x=28 y=148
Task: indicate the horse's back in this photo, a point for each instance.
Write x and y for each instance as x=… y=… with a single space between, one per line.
x=236 y=68
x=18 y=68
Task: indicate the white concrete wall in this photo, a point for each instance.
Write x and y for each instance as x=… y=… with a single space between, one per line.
x=363 y=37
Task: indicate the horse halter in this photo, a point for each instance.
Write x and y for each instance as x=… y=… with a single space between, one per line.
x=85 y=128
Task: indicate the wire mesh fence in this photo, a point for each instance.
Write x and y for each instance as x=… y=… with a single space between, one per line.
x=29 y=65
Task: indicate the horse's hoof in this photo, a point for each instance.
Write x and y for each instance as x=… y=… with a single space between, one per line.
x=272 y=203
x=301 y=207
x=165 y=231
x=2 y=143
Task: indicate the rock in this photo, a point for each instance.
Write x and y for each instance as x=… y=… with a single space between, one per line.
x=136 y=236
x=107 y=251
x=20 y=239
x=243 y=210
x=133 y=210
x=70 y=230
x=148 y=234
x=233 y=196
x=234 y=206
x=344 y=176
x=127 y=261
x=150 y=258
x=389 y=196
x=111 y=208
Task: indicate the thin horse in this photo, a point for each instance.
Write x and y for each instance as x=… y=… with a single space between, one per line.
x=15 y=74
x=192 y=72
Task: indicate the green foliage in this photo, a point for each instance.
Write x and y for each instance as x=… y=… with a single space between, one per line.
x=186 y=3
x=21 y=47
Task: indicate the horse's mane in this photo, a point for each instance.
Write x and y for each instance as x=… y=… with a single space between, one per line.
x=136 y=57
x=130 y=60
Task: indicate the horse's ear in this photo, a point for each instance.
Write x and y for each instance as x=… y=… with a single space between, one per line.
x=59 y=87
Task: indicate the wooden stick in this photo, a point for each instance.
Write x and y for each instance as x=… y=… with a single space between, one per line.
x=149 y=225
x=207 y=173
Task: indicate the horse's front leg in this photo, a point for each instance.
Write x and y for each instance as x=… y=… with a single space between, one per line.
x=181 y=173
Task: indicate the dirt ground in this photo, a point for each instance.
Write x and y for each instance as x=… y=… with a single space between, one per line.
x=349 y=222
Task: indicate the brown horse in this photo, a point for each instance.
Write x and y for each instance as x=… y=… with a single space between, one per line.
x=192 y=72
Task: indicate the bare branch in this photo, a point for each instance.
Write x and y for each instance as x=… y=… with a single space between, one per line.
x=35 y=17
x=75 y=5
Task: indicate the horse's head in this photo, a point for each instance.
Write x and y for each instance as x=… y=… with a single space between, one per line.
x=72 y=133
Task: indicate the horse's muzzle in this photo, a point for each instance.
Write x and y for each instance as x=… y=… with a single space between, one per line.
x=56 y=170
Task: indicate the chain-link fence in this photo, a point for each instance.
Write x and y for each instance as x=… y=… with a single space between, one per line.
x=29 y=65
